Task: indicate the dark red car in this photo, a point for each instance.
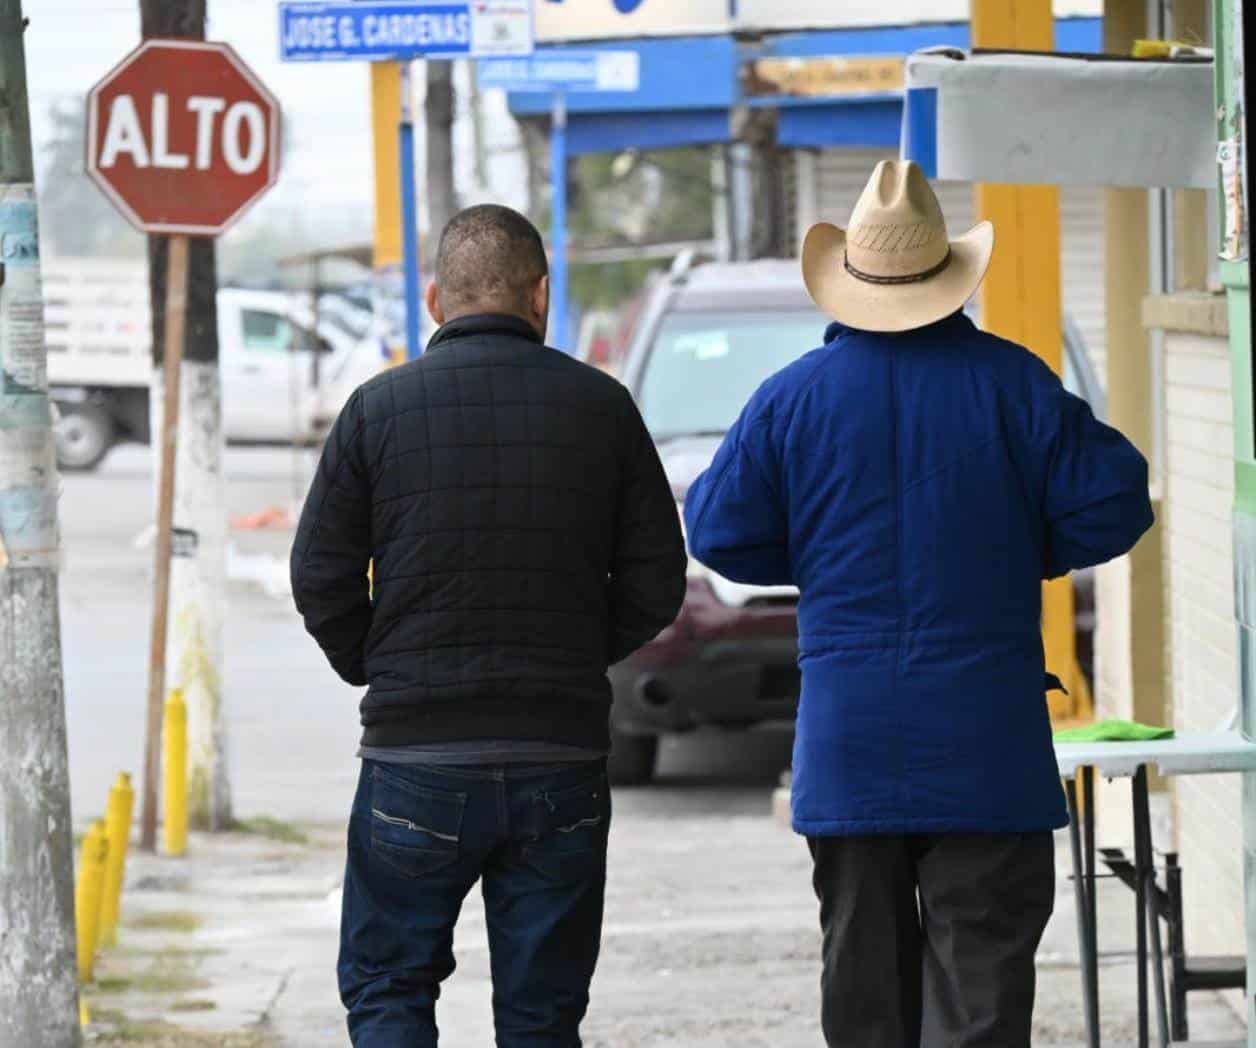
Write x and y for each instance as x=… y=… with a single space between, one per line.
x=708 y=336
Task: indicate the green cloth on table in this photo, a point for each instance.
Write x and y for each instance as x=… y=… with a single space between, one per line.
x=1113 y=731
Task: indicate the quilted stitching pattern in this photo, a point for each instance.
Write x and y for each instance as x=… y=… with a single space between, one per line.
x=523 y=534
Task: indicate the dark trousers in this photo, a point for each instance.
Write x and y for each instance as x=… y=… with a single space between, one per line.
x=929 y=940
x=419 y=839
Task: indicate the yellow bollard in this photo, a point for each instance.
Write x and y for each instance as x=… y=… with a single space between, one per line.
x=85 y=1015
x=118 y=830
x=175 y=760
x=91 y=881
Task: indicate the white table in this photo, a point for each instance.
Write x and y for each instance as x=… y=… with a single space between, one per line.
x=1188 y=754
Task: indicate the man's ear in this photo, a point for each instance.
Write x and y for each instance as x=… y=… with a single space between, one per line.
x=540 y=299
x=433 y=303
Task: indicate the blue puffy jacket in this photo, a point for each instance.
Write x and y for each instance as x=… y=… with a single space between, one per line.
x=917 y=488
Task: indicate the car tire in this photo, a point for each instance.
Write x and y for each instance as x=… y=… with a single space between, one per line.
x=84 y=435
x=632 y=758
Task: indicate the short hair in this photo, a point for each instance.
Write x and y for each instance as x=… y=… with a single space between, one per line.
x=490 y=258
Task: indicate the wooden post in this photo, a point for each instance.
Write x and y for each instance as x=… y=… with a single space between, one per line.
x=176 y=309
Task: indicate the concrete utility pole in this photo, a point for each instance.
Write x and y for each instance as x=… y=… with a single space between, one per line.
x=198 y=588
x=438 y=109
x=38 y=975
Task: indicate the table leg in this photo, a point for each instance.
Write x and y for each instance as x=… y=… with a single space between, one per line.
x=1085 y=940
x=1142 y=866
x=1157 y=959
x=1092 y=895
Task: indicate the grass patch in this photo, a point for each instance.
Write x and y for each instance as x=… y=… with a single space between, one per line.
x=190 y=953
x=169 y=972
x=166 y=921
x=190 y=1004
x=113 y=984
x=271 y=829
x=165 y=1035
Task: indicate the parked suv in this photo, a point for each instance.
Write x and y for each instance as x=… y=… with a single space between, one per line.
x=708 y=337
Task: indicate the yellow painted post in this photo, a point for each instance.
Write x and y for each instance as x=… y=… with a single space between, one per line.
x=1021 y=301
x=118 y=832
x=87 y=894
x=385 y=120
x=175 y=781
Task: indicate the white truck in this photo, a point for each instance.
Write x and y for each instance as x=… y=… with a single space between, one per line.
x=281 y=381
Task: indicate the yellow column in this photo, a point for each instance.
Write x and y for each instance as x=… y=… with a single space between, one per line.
x=87 y=896
x=1021 y=300
x=385 y=118
x=175 y=766
x=118 y=833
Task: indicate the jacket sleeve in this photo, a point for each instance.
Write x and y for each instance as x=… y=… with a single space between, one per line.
x=332 y=550
x=647 y=576
x=1097 y=504
x=734 y=513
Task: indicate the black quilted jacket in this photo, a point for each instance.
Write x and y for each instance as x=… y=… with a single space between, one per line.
x=523 y=533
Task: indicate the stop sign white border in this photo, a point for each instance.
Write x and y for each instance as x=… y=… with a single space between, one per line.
x=228 y=52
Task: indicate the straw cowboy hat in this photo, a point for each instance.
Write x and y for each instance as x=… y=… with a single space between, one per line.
x=895 y=268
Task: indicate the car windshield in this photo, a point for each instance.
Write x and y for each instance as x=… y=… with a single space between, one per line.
x=704 y=366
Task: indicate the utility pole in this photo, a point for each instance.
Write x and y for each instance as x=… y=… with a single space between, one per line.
x=198 y=586
x=438 y=109
x=38 y=974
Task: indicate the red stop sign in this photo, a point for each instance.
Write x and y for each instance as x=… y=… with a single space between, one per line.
x=182 y=137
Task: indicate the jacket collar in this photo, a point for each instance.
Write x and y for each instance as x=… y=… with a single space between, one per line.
x=956 y=323
x=483 y=324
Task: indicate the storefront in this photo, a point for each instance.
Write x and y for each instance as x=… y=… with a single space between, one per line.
x=833 y=96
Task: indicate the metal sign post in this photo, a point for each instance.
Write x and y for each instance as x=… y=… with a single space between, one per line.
x=558 y=73
x=183 y=139
x=558 y=220
x=409 y=218
x=176 y=308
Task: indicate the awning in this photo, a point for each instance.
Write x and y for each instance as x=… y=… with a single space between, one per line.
x=1061 y=119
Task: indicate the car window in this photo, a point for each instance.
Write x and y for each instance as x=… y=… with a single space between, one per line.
x=703 y=367
x=268 y=332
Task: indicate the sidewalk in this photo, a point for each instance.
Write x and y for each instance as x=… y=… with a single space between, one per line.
x=710 y=942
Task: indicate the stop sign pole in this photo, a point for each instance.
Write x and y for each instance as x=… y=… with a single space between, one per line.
x=182 y=138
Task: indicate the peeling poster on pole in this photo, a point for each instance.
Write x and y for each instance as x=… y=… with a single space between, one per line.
x=23 y=365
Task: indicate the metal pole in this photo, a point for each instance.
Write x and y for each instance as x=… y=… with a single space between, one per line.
x=558 y=219
x=409 y=217
x=176 y=308
x=38 y=976
x=1081 y=895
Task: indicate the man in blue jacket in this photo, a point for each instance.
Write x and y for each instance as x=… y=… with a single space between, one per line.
x=917 y=479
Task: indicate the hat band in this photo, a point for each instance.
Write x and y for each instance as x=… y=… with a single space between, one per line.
x=910 y=278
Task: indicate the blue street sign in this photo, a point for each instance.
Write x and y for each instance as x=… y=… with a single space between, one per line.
x=564 y=71
x=370 y=31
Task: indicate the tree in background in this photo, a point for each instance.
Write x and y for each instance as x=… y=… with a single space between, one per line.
x=646 y=198
x=74 y=216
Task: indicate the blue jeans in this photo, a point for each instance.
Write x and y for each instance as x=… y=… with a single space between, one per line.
x=419 y=839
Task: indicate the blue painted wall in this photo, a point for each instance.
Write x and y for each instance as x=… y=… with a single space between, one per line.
x=689 y=84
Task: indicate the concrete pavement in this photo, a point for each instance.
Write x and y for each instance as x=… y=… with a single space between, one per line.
x=710 y=937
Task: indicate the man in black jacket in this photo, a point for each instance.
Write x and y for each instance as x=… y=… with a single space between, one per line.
x=523 y=539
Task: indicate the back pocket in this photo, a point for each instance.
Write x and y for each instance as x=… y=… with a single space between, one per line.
x=568 y=839
x=414 y=830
